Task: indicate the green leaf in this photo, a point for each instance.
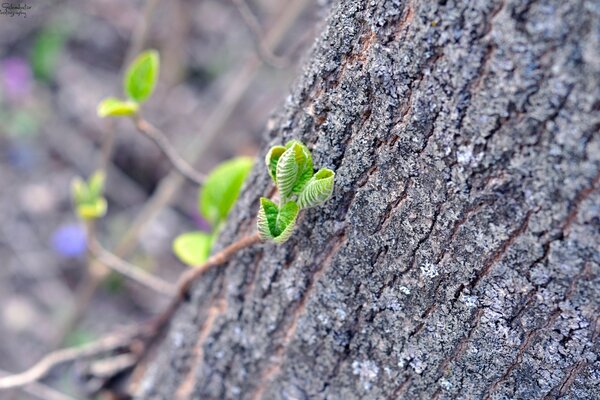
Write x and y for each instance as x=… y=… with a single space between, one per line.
x=193 y=248
x=78 y=190
x=274 y=224
x=96 y=184
x=46 y=51
x=288 y=169
x=222 y=188
x=142 y=75
x=271 y=160
x=286 y=221
x=113 y=107
x=306 y=166
x=92 y=210
x=87 y=196
x=267 y=219
x=318 y=189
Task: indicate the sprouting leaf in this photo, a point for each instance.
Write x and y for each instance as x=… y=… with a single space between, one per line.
x=267 y=219
x=96 y=183
x=276 y=224
x=286 y=221
x=318 y=189
x=78 y=189
x=92 y=210
x=113 y=107
x=222 y=187
x=193 y=248
x=142 y=75
x=288 y=167
x=271 y=160
x=87 y=197
x=305 y=166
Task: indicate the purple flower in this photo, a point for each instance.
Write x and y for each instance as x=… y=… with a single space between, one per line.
x=69 y=241
x=16 y=77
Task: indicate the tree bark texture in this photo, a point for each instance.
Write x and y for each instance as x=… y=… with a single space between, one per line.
x=460 y=254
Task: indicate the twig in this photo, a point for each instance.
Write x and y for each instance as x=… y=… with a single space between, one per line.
x=129 y=270
x=41 y=391
x=159 y=138
x=188 y=277
x=113 y=342
x=39 y=370
x=217 y=118
x=254 y=25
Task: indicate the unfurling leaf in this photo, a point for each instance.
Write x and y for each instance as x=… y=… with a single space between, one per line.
x=94 y=210
x=142 y=75
x=286 y=221
x=113 y=107
x=222 y=187
x=271 y=160
x=87 y=196
x=276 y=224
x=318 y=189
x=287 y=170
x=193 y=248
x=305 y=165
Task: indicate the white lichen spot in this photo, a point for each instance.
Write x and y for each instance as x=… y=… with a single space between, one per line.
x=418 y=366
x=404 y=290
x=464 y=155
x=429 y=270
x=341 y=314
x=367 y=372
x=470 y=301
x=445 y=384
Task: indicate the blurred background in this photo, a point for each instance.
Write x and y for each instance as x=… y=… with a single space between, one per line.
x=225 y=66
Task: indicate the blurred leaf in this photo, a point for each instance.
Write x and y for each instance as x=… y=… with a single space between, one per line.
x=46 y=52
x=222 y=187
x=92 y=210
x=193 y=248
x=87 y=196
x=113 y=107
x=141 y=76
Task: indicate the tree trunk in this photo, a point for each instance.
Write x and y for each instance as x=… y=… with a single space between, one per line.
x=459 y=256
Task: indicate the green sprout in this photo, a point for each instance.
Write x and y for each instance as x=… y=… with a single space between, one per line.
x=291 y=168
x=87 y=196
x=139 y=83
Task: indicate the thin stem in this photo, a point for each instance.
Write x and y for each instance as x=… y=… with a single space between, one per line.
x=131 y=271
x=41 y=391
x=39 y=370
x=112 y=342
x=161 y=140
x=220 y=258
x=254 y=25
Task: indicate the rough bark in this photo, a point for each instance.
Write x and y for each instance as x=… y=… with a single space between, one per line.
x=459 y=256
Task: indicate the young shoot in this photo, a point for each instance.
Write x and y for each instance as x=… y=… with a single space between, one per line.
x=291 y=168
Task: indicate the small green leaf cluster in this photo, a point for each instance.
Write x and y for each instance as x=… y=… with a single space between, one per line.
x=88 y=199
x=139 y=83
x=216 y=199
x=291 y=168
